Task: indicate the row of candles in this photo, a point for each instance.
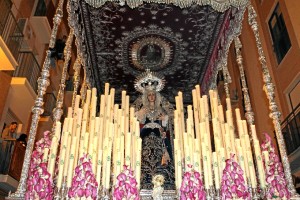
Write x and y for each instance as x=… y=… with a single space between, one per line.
x=195 y=135
x=111 y=140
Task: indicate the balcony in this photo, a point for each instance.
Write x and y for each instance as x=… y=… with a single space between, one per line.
x=43 y=20
x=11 y=159
x=29 y=68
x=291 y=133
x=11 y=37
x=24 y=86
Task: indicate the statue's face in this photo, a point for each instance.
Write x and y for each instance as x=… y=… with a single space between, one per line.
x=151 y=97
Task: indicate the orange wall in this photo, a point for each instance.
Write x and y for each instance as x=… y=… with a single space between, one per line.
x=5 y=79
x=283 y=75
x=289 y=68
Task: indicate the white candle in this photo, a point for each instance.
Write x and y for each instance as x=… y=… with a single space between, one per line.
x=108 y=164
x=139 y=162
x=228 y=103
x=261 y=171
x=88 y=97
x=70 y=112
x=71 y=162
x=128 y=149
x=61 y=166
x=45 y=155
x=99 y=166
x=216 y=170
x=205 y=166
x=179 y=167
x=251 y=169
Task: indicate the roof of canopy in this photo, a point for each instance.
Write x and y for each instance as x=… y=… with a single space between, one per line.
x=185 y=41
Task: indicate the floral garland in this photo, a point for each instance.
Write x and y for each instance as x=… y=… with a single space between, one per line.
x=126 y=186
x=84 y=183
x=233 y=184
x=192 y=186
x=39 y=182
x=274 y=174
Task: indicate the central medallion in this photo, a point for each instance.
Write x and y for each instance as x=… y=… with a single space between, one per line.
x=151 y=52
x=156 y=48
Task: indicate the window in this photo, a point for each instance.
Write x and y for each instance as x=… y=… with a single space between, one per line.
x=41 y=8
x=280 y=37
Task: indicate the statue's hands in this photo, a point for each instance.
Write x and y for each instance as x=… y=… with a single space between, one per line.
x=142 y=112
x=164 y=135
x=161 y=117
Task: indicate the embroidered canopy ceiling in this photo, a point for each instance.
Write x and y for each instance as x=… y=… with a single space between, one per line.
x=185 y=41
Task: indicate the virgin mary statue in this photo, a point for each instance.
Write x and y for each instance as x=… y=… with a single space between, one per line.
x=155 y=115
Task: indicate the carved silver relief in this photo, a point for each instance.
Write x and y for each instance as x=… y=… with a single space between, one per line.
x=150 y=47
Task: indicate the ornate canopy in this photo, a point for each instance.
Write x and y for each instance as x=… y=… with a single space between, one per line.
x=185 y=41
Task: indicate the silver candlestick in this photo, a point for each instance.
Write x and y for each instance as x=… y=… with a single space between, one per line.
x=270 y=93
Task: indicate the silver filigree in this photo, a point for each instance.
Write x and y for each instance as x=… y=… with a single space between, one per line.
x=58 y=110
x=249 y=113
x=123 y=54
x=76 y=81
x=216 y=63
x=219 y=5
x=274 y=112
x=37 y=110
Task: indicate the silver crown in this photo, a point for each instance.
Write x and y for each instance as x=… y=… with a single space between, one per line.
x=149 y=81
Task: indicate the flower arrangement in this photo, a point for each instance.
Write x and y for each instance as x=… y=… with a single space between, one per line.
x=277 y=184
x=39 y=182
x=192 y=186
x=84 y=183
x=126 y=186
x=233 y=184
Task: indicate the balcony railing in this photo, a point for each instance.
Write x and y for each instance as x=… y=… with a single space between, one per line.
x=50 y=101
x=28 y=68
x=9 y=29
x=6 y=148
x=11 y=158
x=291 y=130
x=47 y=10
